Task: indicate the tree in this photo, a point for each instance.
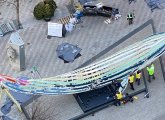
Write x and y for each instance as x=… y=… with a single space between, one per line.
x=40 y=111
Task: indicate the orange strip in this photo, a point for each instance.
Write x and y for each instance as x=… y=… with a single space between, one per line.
x=11 y=79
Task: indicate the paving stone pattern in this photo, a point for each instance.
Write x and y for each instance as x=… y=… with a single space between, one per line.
x=92 y=38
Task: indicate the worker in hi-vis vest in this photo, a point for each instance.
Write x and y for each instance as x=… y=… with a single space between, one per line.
x=130 y=17
x=118 y=98
x=138 y=77
x=131 y=81
x=151 y=71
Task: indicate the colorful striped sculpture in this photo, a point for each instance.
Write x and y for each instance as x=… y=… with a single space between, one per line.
x=99 y=74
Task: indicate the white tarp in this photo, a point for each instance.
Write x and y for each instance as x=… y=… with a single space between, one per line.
x=16 y=39
x=124 y=84
x=69 y=27
x=99 y=5
x=55 y=29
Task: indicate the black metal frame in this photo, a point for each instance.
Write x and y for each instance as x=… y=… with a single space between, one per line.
x=149 y=22
x=112 y=103
x=162 y=67
x=23 y=105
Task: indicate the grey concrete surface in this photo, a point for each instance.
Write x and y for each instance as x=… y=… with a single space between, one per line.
x=61 y=107
x=92 y=38
x=70 y=103
x=142 y=109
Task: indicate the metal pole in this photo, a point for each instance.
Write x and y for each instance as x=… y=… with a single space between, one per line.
x=145 y=84
x=162 y=67
x=103 y=106
x=25 y=113
x=17 y=9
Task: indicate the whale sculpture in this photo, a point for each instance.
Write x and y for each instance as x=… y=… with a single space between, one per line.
x=117 y=66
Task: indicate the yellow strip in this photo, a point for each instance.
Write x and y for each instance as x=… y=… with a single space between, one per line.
x=14 y=100
x=0 y=93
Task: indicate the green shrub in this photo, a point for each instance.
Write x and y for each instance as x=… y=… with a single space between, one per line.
x=49 y=12
x=44 y=10
x=39 y=11
x=52 y=3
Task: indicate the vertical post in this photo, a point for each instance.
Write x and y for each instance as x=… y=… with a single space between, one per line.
x=162 y=67
x=17 y=9
x=145 y=84
x=25 y=113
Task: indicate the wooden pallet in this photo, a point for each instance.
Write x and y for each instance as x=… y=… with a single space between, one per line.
x=65 y=20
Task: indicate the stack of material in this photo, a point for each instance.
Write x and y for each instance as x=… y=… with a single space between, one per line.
x=78 y=6
x=153 y=4
x=82 y=2
x=6 y=108
x=5 y=28
x=8 y=27
x=68 y=52
x=65 y=20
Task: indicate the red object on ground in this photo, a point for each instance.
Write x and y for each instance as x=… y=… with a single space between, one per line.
x=11 y=79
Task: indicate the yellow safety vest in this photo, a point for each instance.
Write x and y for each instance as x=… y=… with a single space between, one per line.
x=119 y=96
x=151 y=69
x=131 y=79
x=138 y=75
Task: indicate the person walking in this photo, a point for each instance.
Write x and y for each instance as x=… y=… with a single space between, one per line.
x=118 y=98
x=151 y=71
x=130 y=17
x=78 y=14
x=138 y=77
x=131 y=80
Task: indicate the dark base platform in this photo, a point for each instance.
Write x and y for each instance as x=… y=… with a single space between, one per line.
x=95 y=98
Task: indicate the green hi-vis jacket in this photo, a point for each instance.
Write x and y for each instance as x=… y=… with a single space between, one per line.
x=130 y=16
x=150 y=69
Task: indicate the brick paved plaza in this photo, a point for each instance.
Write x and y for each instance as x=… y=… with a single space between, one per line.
x=94 y=37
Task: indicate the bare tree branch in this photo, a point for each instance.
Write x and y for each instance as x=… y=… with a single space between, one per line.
x=40 y=111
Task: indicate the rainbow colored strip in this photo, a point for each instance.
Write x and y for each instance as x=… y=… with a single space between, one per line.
x=118 y=66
